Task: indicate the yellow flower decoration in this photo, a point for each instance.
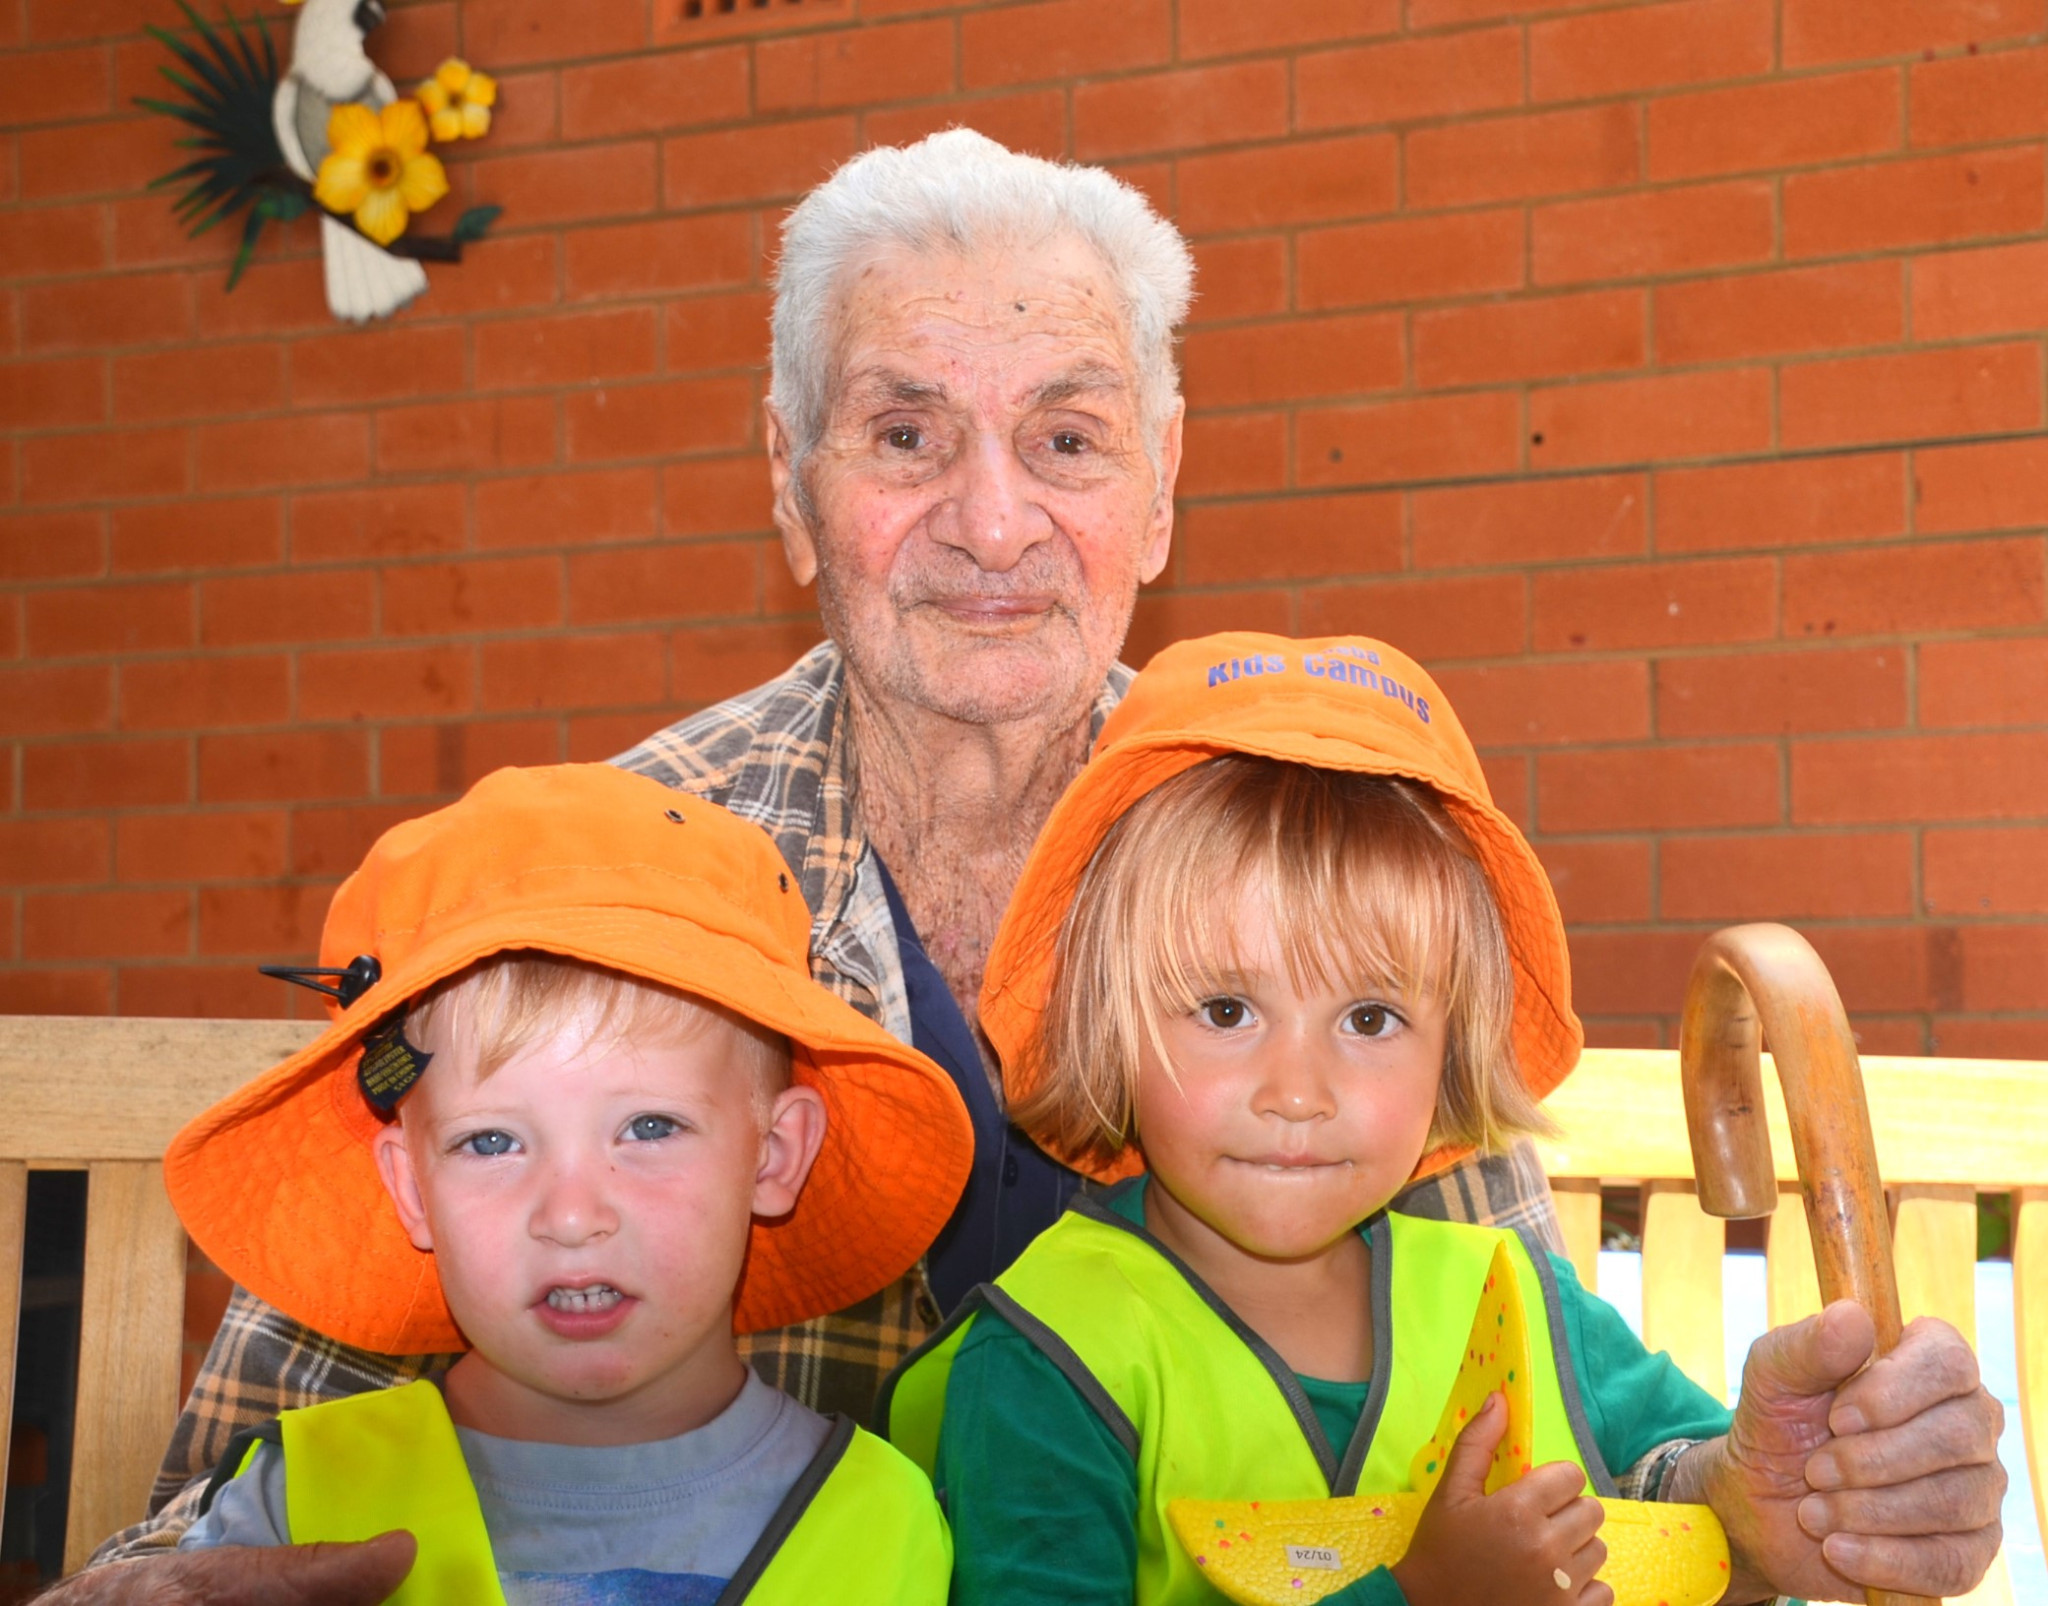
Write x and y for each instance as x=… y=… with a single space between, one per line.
x=378 y=169
x=459 y=100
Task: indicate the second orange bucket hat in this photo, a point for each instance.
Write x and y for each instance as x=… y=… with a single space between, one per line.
x=277 y=1183
x=1336 y=702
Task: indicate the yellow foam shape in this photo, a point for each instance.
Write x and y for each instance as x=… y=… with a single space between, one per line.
x=1267 y=1553
x=1271 y=1553
x=1496 y=1361
x=1289 y=1550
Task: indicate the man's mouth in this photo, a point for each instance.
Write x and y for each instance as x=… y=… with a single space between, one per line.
x=578 y=1301
x=993 y=610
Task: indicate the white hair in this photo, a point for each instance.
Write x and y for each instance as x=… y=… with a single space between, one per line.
x=961 y=191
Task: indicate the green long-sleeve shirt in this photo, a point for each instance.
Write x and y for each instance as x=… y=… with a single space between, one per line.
x=1043 y=1500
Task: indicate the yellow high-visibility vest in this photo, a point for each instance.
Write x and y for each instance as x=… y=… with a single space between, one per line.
x=861 y=1524
x=1204 y=1406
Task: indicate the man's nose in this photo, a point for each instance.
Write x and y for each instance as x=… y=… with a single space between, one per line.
x=573 y=1206
x=994 y=515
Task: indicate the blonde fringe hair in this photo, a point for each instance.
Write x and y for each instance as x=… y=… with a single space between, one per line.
x=507 y=1002
x=1372 y=887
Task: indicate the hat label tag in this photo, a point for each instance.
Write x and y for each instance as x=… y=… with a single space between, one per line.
x=390 y=1065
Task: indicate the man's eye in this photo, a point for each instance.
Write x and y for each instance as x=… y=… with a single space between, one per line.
x=651 y=1128
x=489 y=1143
x=1371 y=1020
x=1224 y=1013
x=1069 y=443
x=904 y=437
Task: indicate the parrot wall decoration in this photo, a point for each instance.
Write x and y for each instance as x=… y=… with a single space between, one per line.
x=330 y=67
x=263 y=129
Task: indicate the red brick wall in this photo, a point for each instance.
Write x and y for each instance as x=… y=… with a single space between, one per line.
x=1668 y=376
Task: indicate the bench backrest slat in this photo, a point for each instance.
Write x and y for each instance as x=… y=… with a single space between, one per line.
x=1936 y=1120
x=1682 y=1283
x=1791 y=1284
x=78 y=1089
x=1934 y=1246
x=2030 y=1324
x=130 y=1330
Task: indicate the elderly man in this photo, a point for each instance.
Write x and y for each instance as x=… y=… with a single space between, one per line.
x=974 y=431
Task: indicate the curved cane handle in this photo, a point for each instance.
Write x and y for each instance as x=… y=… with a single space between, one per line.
x=1769 y=975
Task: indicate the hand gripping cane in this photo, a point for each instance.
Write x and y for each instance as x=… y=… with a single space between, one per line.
x=1769 y=976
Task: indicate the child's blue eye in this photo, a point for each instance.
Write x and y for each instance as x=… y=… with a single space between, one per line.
x=1223 y=1013
x=489 y=1143
x=650 y=1128
x=1371 y=1020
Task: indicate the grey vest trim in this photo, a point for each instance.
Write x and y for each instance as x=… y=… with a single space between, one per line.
x=1282 y=1374
x=1041 y=1338
x=789 y=1513
x=1061 y=1354
x=1380 y=1238
x=885 y=1397
x=1568 y=1373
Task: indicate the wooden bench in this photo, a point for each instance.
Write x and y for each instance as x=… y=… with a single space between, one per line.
x=106 y=1095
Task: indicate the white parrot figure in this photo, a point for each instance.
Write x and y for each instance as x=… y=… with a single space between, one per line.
x=330 y=68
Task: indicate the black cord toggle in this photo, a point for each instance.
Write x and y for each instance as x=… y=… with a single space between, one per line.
x=350 y=981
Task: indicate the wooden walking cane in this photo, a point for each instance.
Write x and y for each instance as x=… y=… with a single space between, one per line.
x=1769 y=977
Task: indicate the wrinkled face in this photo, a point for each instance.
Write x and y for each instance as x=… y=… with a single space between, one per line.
x=588 y=1206
x=1299 y=1110
x=982 y=508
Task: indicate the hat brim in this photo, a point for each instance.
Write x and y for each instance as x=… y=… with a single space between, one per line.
x=278 y=1185
x=1547 y=1035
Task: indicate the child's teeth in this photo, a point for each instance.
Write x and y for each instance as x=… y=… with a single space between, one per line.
x=598 y=1296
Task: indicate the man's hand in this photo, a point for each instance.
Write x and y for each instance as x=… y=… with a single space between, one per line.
x=285 y=1575
x=1833 y=1479
x=1533 y=1543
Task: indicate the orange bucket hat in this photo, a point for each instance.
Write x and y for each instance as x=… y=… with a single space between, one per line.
x=277 y=1183
x=1335 y=702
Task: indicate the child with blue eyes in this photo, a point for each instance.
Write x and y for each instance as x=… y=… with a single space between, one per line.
x=582 y=1114
x=1274 y=955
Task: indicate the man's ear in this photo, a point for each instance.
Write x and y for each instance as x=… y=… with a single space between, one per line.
x=1159 y=530
x=394 y=1165
x=799 y=547
x=796 y=1131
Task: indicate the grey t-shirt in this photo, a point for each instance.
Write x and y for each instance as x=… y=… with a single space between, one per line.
x=659 y=1524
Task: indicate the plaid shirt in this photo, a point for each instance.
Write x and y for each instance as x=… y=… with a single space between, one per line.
x=776 y=755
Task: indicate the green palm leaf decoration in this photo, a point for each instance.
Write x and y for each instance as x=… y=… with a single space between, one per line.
x=227 y=87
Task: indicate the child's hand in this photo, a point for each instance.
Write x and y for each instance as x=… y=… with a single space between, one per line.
x=1534 y=1543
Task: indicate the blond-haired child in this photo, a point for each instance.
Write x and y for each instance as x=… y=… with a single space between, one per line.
x=1275 y=954
x=582 y=1113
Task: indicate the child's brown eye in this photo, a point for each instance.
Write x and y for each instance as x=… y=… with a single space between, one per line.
x=1371 y=1020
x=1224 y=1012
